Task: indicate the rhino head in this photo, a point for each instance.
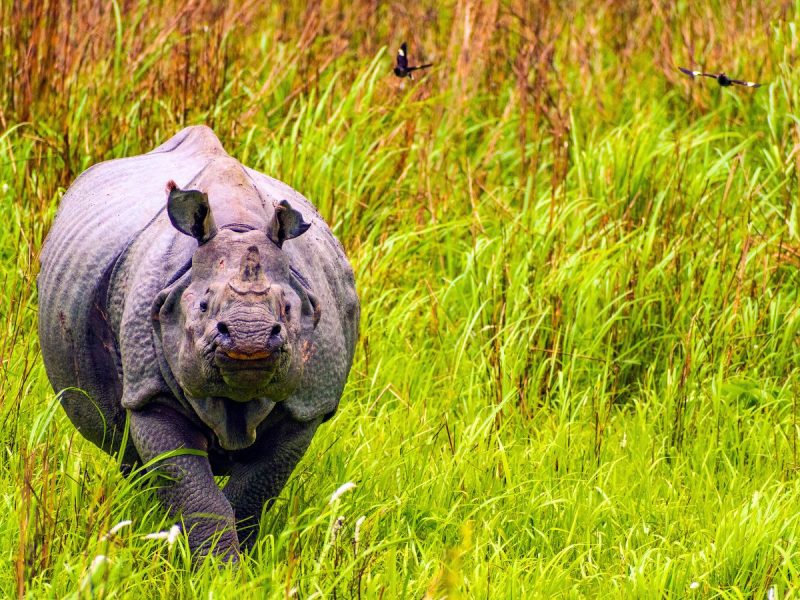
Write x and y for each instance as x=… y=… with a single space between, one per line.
x=232 y=327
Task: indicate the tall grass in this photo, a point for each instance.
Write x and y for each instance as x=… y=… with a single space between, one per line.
x=578 y=369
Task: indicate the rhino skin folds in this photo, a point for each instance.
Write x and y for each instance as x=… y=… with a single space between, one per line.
x=211 y=305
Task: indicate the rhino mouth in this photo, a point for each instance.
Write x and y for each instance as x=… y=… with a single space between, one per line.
x=244 y=356
x=230 y=360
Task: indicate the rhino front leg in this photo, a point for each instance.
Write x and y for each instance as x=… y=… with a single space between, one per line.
x=188 y=488
x=259 y=478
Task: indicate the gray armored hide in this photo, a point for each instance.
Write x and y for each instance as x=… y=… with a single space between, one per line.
x=213 y=307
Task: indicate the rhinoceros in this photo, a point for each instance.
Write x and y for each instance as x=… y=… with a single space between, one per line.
x=199 y=318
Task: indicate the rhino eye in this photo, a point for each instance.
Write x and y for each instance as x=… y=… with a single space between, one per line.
x=203 y=306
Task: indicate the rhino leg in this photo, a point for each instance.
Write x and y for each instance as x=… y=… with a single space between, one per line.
x=188 y=489
x=259 y=479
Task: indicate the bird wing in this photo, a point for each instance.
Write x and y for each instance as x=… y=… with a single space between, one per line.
x=402 y=56
x=425 y=66
x=746 y=83
x=694 y=74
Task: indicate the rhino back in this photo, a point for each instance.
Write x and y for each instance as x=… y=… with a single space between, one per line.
x=99 y=215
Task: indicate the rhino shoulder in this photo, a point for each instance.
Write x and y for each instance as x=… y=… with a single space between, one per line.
x=156 y=260
x=196 y=139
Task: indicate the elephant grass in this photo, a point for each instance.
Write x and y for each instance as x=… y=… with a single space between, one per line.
x=578 y=366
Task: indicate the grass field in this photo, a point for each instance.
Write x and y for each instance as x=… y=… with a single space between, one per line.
x=578 y=369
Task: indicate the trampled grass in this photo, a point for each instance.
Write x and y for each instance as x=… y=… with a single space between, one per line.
x=578 y=369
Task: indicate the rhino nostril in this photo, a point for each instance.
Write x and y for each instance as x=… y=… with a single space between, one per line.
x=276 y=329
x=222 y=328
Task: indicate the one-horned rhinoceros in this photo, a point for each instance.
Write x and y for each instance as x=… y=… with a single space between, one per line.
x=210 y=305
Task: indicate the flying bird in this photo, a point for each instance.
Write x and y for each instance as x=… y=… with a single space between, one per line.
x=401 y=69
x=721 y=78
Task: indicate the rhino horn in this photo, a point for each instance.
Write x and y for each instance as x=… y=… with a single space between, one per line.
x=251 y=278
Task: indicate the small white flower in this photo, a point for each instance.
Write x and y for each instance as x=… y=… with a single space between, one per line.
x=174 y=532
x=357 y=533
x=95 y=570
x=99 y=561
x=624 y=441
x=772 y=593
x=170 y=536
x=694 y=585
x=341 y=490
x=116 y=528
x=5 y=187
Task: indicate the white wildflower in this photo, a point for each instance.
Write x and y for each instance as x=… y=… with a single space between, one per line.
x=170 y=536
x=174 y=532
x=116 y=529
x=772 y=593
x=357 y=533
x=341 y=490
x=624 y=441
x=99 y=561
x=95 y=570
x=694 y=585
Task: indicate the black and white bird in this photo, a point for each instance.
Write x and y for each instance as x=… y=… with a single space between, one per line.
x=721 y=78
x=401 y=68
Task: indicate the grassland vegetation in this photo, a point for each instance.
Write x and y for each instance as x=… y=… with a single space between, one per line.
x=578 y=368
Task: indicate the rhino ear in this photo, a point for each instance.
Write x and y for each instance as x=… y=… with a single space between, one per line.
x=287 y=223
x=190 y=213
